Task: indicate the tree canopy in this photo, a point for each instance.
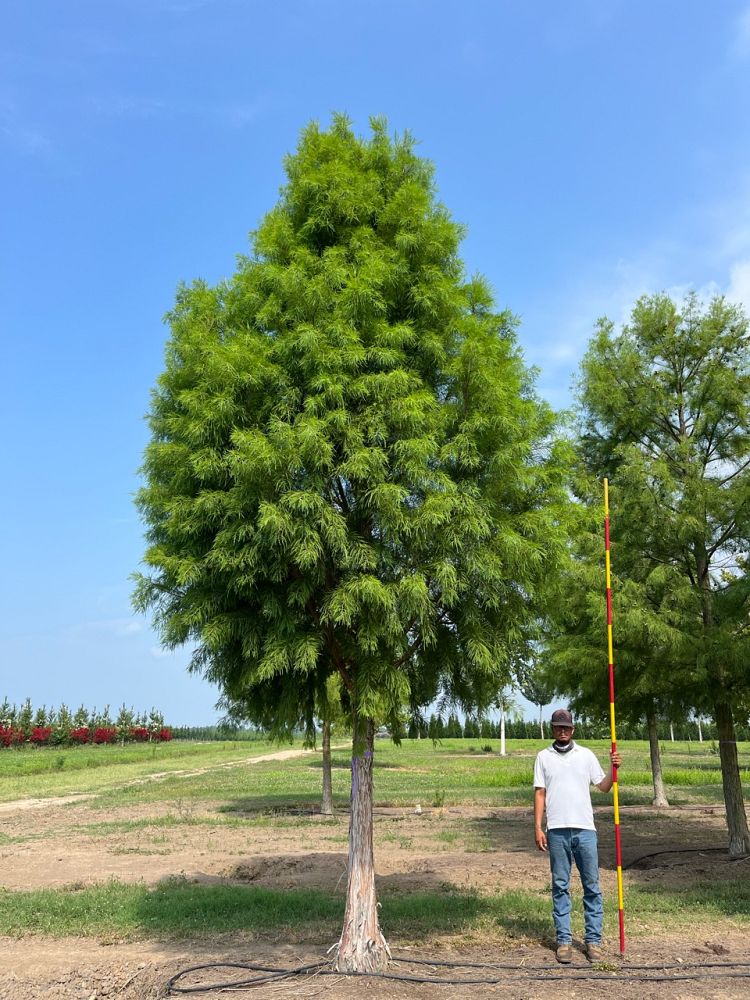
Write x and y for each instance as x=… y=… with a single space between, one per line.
x=349 y=470
x=665 y=414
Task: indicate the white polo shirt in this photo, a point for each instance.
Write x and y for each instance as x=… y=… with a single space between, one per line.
x=566 y=777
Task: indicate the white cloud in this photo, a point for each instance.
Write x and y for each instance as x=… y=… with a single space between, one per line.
x=117 y=628
x=128 y=107
x=739 y=284
x=741 y=40
x=19 y=135
x=237 y=114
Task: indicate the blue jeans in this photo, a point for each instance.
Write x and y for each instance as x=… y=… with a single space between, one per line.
x=566 y=845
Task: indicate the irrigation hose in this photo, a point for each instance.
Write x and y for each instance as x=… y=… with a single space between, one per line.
x=686 y=850
x=530 y=973
x=630 y=973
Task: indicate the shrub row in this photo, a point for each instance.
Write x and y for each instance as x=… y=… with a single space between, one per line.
x=44 y=736
x=25 y=726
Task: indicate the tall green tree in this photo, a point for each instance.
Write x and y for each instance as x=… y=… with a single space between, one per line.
x=651 y=608
x=349 y=470
x=665 y=409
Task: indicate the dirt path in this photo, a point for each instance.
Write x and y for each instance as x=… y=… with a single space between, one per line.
x=21 y=805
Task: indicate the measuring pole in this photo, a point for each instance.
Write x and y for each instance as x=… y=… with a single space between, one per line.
x=616 y=798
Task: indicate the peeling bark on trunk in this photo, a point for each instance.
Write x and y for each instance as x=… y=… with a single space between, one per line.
x=660 y=794
x=362 y=947
x=327 y=803
x=739 y=835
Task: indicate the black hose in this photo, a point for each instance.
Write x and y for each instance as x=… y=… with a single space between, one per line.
x=685 y=850
x=636 y=973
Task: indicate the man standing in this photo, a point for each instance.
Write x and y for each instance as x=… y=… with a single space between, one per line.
x=562 y=775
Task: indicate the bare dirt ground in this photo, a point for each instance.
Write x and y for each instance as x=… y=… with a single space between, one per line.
x=488 y=850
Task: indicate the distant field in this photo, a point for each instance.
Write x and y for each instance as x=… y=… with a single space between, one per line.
x=49 y=771
x=215 y=844
x=453 y=772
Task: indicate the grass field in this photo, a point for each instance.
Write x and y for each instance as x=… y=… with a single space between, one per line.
x=149 y=805
x=455 y=772
x=32 y=773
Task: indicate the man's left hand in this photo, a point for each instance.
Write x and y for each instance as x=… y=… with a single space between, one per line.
x=615 y=758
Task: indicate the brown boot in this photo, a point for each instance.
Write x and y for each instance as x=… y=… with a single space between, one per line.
x=564 y=954
x=594 y=952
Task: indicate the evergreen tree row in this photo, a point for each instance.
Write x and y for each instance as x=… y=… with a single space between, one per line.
x=61 y=726
x=437 y=728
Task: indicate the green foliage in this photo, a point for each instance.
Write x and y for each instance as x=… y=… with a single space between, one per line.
x=665 y=413
x=349 y=472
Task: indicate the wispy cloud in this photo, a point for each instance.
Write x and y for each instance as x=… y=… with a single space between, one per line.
x=183 y=6
x=236 y=114
x=117 y=628
x=707 y=253
x=740 y=46
x=19 y=135
x=127 y=107
x=739 y=284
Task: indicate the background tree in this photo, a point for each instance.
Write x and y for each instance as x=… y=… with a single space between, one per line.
x=507 y=708
x=649 y=607
x=534 y=684
x=349 y=471
x=665 y=414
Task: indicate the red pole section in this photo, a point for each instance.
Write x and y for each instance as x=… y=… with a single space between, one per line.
x=610 y=661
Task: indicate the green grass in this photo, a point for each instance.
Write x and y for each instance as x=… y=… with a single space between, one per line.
x=703 y=900
x=454 y=772
x=277 y=795
x=38 y=773
x=180 y=908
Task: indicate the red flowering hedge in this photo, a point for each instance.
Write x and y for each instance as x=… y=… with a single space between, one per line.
x=105 y=734
x=44 y=736
x=10 y=737
x=40 y=735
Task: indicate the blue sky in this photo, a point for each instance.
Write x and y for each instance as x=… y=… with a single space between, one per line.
x=594 y=149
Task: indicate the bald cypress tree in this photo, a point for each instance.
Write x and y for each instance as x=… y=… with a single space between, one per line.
x=349 y=471
x=665 y=413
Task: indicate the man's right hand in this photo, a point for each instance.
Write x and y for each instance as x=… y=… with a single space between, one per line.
x=541 y=839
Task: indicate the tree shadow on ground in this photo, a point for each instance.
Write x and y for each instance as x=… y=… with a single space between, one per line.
x=188 y=907
x=301 y=804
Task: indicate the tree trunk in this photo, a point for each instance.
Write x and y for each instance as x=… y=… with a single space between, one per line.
x=327 y=804
x=660 y=794
x=739 y=835
x=362 y=947
x=700 y=730
x=671 y=731
x=541 y=720
x=502 y=732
